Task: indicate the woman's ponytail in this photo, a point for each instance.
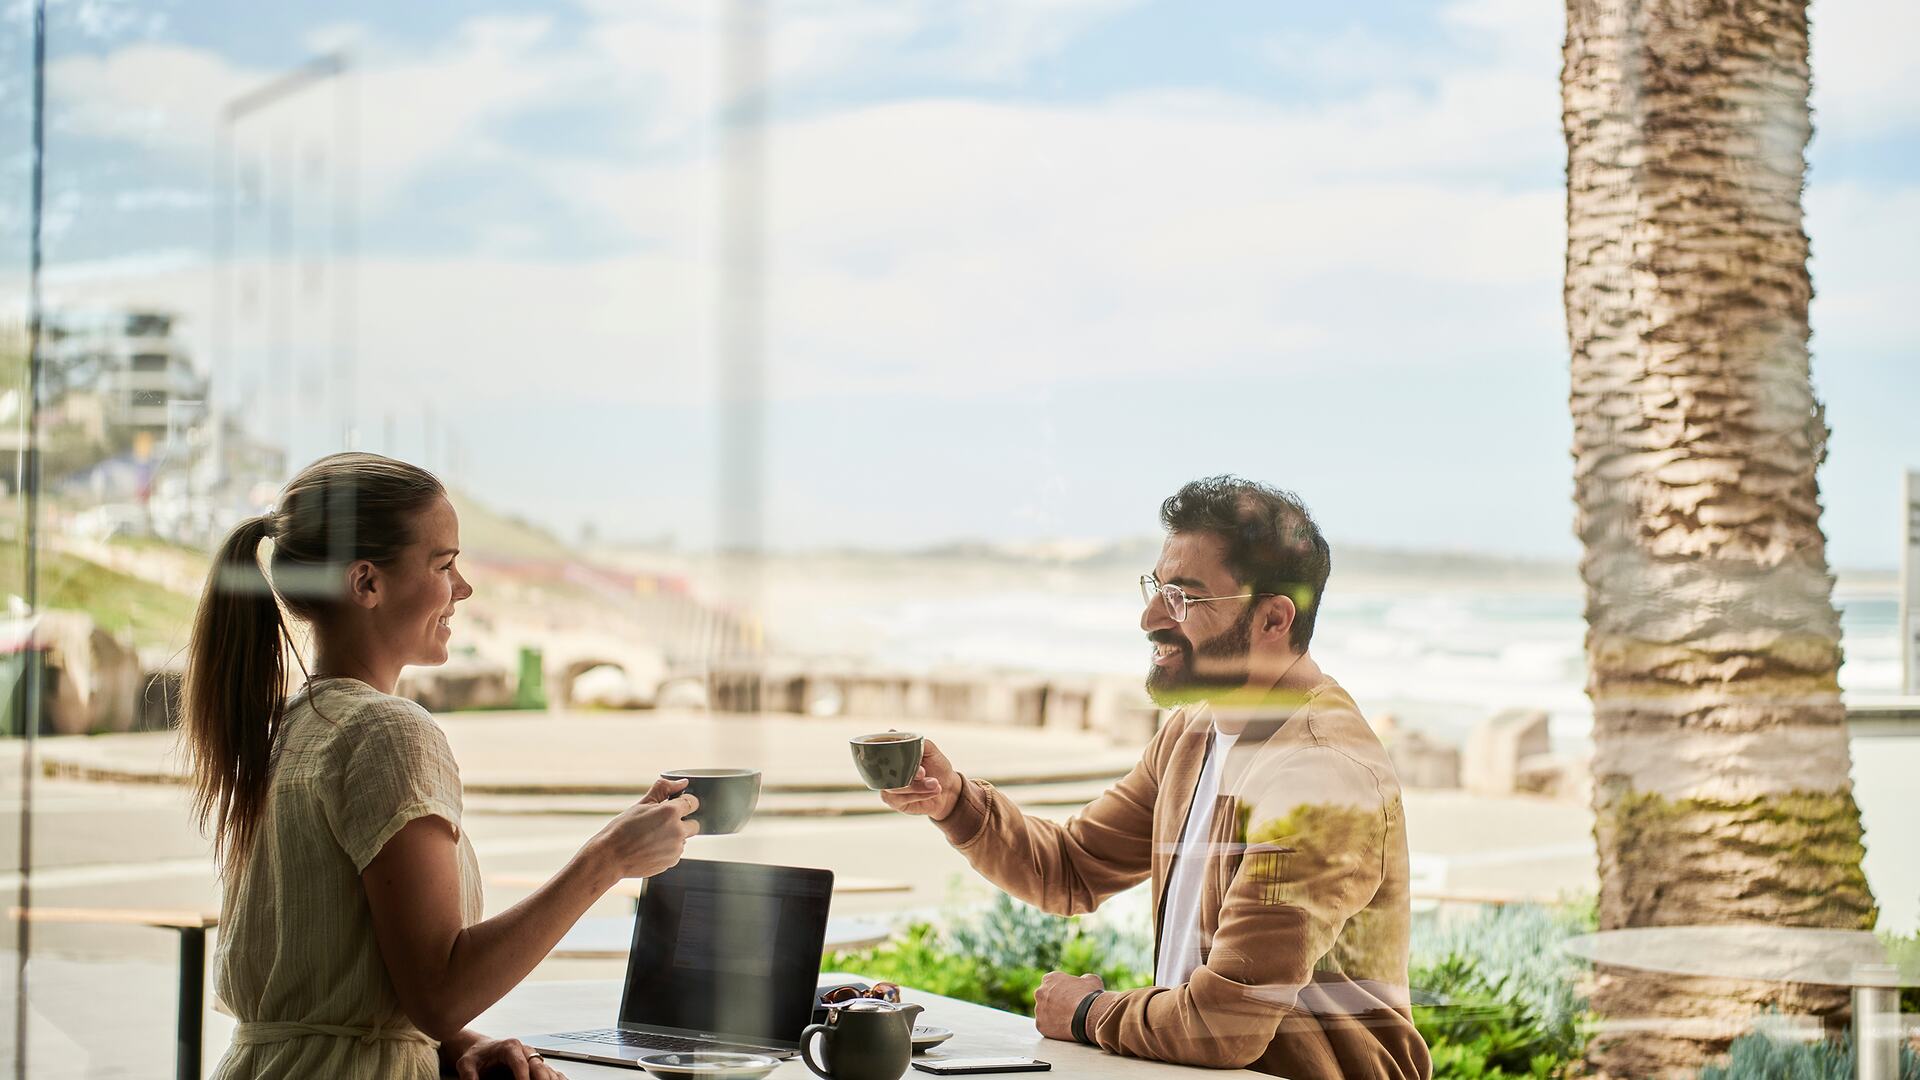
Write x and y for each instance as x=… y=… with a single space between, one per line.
x=232 y=692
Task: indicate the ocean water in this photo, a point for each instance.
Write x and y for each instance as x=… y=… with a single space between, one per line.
x=1439 y=659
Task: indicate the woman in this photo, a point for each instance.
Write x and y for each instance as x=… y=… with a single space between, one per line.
x=352 y=943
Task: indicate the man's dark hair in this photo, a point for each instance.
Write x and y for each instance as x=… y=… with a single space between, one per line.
x=1273 y=546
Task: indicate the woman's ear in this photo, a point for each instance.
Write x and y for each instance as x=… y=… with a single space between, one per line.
x=363 y=584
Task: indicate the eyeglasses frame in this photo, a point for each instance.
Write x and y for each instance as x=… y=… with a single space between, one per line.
x=1151 y=587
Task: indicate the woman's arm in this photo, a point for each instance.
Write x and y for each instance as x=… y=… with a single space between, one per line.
x=446 y=973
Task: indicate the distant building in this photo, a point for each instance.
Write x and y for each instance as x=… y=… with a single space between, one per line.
x=148 y=388
x=129 y=432
x=225 y=475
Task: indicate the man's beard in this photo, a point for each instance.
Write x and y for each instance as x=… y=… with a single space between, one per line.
x=1185 y=684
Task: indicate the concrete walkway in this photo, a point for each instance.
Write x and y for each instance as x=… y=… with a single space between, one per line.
x=526 y=759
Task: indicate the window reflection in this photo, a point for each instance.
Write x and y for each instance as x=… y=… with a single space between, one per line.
x=799 y=374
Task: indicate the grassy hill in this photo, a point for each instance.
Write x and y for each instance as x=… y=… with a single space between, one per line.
x=489 y=534
x=120 y=603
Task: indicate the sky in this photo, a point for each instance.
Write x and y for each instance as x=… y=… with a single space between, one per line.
x=1030 y=265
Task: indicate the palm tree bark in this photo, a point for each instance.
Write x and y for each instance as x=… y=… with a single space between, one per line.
x=1722 y=780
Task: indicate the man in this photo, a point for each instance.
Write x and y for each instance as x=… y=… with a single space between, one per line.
x=1264 y=811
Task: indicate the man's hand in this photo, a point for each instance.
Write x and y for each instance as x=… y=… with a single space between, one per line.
x=663 y=789
x=1059 y=995
x=935 y=789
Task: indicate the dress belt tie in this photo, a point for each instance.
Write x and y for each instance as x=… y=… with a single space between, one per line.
x=259 y=1032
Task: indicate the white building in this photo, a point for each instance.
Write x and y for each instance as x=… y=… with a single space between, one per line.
x=147 y=384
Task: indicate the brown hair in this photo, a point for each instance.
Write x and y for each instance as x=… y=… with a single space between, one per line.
x=338 y=511
x=1274 y=548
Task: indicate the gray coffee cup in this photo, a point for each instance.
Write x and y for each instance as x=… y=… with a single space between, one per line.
x=727 y=797
x=887 y=759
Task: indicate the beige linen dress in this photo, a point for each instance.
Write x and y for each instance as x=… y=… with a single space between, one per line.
x=297 y=963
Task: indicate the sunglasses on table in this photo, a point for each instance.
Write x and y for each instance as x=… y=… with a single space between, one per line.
x=880 y=991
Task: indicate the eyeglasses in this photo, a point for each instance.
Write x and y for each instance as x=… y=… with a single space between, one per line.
x=1177 y=598
x=880 y=991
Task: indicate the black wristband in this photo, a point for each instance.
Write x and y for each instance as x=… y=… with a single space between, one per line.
x=1080 y=1018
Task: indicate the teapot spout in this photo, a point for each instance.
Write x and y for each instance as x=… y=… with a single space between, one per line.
x=912 y=1012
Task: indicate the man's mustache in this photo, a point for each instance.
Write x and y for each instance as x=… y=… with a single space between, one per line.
x=1168 y=637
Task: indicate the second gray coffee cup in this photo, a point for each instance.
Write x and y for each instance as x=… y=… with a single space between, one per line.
x=727 y=797
x=887 y=759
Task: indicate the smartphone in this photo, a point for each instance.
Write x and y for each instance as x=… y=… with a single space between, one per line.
x=968 y=1066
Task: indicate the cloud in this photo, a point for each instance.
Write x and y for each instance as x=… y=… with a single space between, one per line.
x=409 y=114
x=1862 y=84
x=665 y=56
x=466 y=329
x=1864 y=276
x=1002 y=39
x=150 y=94
x=944 y=244
x=950 y=244
x=959 y=246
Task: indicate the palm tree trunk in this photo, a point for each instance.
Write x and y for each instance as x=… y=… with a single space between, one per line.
x=1722 y=789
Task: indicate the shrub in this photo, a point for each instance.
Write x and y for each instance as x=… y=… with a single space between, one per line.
x=998 y=956
x=1757 y=1055
x=1519 y=947
x=1479 y=1029
x=1904 y=953
x=1501 y=1000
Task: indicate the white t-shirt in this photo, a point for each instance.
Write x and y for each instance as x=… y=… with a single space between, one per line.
x=1180 y=930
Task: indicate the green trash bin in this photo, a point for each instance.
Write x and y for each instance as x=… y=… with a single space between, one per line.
x=18 y=668
x=530 y=689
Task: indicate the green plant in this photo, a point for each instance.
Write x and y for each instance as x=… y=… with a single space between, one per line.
x=1478 y=1029
x=121 y=604
x=1904 y=953
x=997 y=957
x=1499 y=997
x=1758 y=1055
x=1521 y=946
x=915 y=958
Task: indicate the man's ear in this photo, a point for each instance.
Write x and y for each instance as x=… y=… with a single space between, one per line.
x=1275 y=622
x=363 y=584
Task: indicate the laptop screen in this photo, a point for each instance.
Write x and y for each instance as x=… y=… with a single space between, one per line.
x=728 y=949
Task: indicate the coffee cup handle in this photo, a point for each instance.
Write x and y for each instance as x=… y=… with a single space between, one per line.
x=806 y=1048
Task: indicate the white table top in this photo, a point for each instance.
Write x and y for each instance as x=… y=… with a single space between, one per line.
x=535 y=1008
x=1787 y=954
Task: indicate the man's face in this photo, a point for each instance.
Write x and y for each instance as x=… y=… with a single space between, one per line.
x=1209 y=651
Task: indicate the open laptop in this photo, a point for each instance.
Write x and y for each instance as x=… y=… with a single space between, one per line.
x=725 y=956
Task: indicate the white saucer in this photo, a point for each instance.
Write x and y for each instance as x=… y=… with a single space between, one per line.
x=709 y=1065
x=926 y=1038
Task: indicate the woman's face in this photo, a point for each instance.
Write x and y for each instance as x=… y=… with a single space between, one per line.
x=420 y=589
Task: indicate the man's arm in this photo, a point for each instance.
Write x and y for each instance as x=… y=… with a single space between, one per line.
x=1065 y=869
x=1314 y=859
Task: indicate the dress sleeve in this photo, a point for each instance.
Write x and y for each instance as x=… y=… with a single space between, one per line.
x=396 y=766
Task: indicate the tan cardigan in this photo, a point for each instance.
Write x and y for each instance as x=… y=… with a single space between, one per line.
x=1303 y=914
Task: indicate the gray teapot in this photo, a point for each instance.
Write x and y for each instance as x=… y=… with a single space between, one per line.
x=863 y=1040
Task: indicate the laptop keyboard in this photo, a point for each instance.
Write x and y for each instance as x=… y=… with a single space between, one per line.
x=648 y=1041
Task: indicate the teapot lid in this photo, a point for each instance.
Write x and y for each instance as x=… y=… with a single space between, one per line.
x=868 y=1005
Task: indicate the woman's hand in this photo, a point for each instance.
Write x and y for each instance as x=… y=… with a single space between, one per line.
x=651 y=834
x=498 y=1057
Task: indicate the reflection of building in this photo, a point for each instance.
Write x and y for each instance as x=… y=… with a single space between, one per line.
x=147 y=386
x=224 y=475
x=128 y=429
